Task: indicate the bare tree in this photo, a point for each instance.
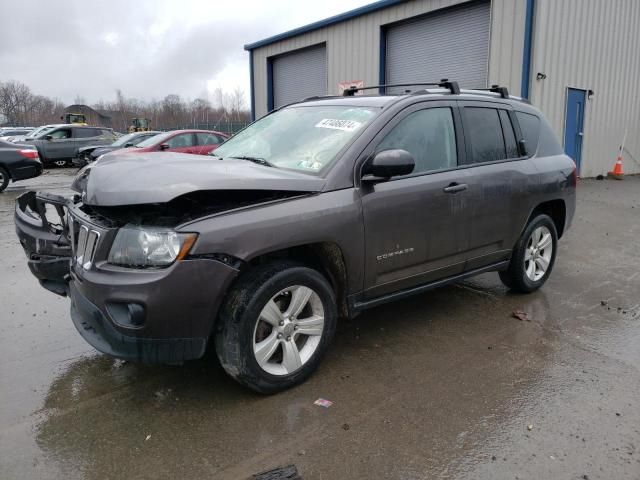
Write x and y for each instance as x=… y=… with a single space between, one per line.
x=237 y=103
x=15 y=100
x=19 y=106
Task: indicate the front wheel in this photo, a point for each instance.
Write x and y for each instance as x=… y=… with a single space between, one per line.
x=533 y=256
x=275 y=326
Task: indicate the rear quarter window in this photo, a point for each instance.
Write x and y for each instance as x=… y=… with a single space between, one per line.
x=530 y=128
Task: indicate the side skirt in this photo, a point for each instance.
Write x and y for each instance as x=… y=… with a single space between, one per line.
x=356 y=306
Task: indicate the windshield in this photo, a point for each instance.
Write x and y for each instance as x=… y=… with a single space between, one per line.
x=149 y=142
x=300 y=138
x=39 y=131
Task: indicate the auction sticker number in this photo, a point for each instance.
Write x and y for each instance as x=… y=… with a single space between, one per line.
x=335 y=124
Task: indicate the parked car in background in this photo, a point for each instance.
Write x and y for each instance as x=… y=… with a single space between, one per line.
x=17 y=163
x=198 y=142
x=60 y=145
x=92 y=152
x=5 y=134
x=35 y=133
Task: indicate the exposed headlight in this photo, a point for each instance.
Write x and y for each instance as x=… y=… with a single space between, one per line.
x=142 y=247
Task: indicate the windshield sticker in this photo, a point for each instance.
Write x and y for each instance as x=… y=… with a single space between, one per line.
x=335 y=124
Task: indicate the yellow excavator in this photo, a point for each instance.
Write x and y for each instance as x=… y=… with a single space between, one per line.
x=140 y=125
x=76 y=118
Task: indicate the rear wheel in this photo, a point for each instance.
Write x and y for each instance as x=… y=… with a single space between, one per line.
x=275 y=326
x=4 y=178
x=533 y=256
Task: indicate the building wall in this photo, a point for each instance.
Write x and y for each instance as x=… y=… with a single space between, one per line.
x=353 y=46
x=591 y=44
x=587 y=44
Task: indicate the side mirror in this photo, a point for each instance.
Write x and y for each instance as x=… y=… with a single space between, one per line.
x=164 y=146
x=127 y=145
x=48 y=137
x=522 y=146
x=387 y=164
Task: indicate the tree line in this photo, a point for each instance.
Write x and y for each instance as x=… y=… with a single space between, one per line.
x=19 y=106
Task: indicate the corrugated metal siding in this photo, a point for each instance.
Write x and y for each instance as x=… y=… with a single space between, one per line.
x=299 y=74
x=451 y=44
x=507 y=43
x=591 y=44
x=353 y=45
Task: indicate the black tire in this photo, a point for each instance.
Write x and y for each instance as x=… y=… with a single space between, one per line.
x=4 y=178
x=241 y=310
x=515 y=276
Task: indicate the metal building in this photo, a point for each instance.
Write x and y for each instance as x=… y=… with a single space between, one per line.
x=577 y=60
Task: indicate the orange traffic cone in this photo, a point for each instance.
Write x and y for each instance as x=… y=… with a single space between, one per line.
x=617 y=169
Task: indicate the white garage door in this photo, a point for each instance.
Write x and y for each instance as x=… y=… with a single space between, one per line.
x=452 y=44
x=299 y=75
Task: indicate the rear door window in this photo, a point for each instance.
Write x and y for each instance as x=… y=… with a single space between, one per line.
x=184 y=140
x=530 y=128
x=85 y=132
x=484 y=129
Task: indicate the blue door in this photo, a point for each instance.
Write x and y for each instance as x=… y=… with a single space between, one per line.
x=574 y=123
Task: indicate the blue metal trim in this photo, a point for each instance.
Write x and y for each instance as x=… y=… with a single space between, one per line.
x=270 y=101
x=252 y=88
x=382 y=73
x=372 y=7
x=526 y=54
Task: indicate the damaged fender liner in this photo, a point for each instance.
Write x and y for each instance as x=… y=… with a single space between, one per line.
x=96 y=330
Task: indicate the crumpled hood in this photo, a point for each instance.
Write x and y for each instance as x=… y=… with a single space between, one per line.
x=159 y=177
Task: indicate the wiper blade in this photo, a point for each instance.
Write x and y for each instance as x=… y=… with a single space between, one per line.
x=258 y=160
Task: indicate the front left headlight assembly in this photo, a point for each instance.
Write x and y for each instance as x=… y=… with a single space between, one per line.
x=147 y=247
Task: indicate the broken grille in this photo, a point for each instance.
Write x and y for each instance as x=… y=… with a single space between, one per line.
x=84 y=248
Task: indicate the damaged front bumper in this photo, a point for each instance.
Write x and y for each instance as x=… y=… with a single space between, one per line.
x=155 y=316
x=41 y=226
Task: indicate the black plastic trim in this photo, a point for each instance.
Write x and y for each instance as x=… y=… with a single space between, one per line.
x=356 y=306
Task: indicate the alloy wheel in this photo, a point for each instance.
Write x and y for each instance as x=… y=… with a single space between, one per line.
x=288 y=330
x=537 y=256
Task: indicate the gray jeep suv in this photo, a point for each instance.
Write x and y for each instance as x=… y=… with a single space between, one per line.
x=317 y=211
x=60 y=145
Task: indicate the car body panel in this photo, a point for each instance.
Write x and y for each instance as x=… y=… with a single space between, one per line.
x=18 y=166
x=67 y=148
x=388 y=238
x=190 y=144
x=160 y=177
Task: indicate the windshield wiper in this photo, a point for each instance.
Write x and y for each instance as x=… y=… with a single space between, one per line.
x=258 y=160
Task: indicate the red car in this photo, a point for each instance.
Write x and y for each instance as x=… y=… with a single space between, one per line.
x=199 y=142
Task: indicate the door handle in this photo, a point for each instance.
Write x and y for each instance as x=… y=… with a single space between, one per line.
x=455 y=187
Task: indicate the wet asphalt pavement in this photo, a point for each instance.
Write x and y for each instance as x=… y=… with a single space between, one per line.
x=443 y=385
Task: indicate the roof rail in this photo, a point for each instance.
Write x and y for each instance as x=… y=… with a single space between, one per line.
x=504 y=93
x=453 y=87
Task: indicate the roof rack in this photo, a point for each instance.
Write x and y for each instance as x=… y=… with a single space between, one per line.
x=453 y=87
x=504 y=93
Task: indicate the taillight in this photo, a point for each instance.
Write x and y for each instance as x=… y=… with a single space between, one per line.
x=28 y=153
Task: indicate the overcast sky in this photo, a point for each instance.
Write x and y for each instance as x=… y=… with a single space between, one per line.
x=149 y=49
